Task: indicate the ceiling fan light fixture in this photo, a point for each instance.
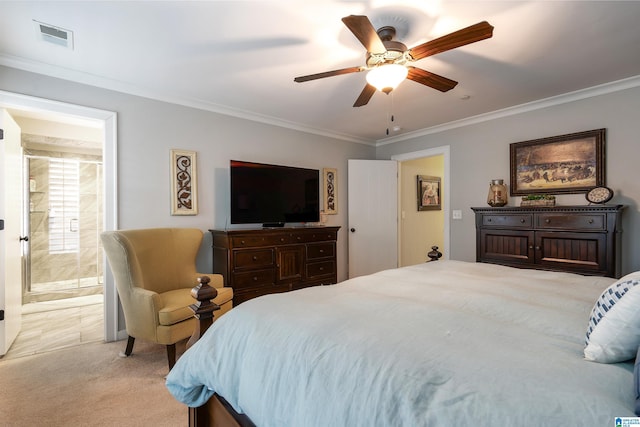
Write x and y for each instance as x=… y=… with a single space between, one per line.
x=387 y=77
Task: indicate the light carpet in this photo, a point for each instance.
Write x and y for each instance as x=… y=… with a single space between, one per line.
x=90 y=385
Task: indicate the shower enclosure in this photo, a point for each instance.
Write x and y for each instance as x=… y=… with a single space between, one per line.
x=63 y=220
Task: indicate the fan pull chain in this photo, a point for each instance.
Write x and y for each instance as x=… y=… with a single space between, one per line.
x=390 y=115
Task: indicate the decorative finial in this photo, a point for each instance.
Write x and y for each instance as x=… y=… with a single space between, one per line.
x=435 y=254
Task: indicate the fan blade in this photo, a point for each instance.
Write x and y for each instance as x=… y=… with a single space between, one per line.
x=365 y=95
x=328 y=74
x=426 y=78
x=480 y=31
x=362 y=28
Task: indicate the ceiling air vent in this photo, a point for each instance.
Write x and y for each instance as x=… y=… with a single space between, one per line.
x=52 y=34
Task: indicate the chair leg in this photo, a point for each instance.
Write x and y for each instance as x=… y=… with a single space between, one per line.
x=129 y=349
x=171 y=355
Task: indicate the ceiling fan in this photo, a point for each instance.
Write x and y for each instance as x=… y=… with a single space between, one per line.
x=388 y=56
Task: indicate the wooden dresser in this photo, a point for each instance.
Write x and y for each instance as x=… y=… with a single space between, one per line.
x=577 y=239
x=265 y=261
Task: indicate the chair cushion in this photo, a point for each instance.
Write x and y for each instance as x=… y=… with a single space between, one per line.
x=224 y=296
x=176 y=304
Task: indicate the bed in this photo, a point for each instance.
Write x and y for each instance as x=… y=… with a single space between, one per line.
x=438 y=344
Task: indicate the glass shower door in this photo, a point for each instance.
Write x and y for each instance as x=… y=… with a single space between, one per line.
x=64 y=219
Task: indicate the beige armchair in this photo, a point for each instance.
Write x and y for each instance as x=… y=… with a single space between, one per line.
x=154 y=271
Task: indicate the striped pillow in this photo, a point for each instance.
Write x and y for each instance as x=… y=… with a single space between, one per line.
x=636 y=382
x=613 y=334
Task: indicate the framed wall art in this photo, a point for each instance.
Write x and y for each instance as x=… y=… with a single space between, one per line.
x=184 y=186
x=429 y=193
x=330 y=190
x=564 y=164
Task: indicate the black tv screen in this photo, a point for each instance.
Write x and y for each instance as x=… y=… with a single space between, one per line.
x=273 y=195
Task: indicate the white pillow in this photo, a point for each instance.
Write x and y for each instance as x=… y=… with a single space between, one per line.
x=614 y=326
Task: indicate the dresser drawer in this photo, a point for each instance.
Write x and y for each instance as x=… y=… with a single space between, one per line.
x=246 y=294
x=321 y=269
x=317 y=236
x=250 y=259
x=578 y=221
x=320 y=250
x=253 y=279
x=266 y=240
x=507 y=220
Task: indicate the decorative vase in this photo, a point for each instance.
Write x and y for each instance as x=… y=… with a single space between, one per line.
x=497 y=196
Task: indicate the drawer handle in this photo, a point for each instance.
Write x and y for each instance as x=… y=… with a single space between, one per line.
x=537 y=248
x=547 y=221
x=591 y=221
x=282 y=239
x=531 y=247
x=488 y=219
x=321 y=251
x=255 y=278
x=242 y=242
x=522 y=221
x=255 y=258
x=321 y=269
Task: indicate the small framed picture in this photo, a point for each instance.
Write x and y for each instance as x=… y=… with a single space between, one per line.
x=184 y=193
x=330 y=190
x=429 y=193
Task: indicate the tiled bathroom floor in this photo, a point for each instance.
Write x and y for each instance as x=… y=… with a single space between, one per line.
x=53 y=325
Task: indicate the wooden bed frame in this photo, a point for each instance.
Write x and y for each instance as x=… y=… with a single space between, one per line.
x=217 y=412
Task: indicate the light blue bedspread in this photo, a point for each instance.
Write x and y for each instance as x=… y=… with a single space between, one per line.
x=445 y=343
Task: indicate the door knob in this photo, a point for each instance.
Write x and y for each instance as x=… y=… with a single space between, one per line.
x=25 y=238
x=353 y=230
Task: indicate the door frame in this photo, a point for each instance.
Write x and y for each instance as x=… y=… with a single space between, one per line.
x=445 y=152
x=16 y=101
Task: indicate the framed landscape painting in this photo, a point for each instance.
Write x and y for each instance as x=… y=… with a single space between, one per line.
x=564 y=164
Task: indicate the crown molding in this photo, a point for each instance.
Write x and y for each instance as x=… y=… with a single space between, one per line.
x=118 y=86
x=590 y=92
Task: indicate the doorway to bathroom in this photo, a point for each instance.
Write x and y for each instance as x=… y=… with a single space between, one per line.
x=63 y=210
x=24 y=109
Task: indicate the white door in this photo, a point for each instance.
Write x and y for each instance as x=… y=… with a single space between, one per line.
x=11 y=190
x=373 y=216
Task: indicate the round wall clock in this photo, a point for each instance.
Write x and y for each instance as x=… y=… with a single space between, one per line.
x=599 y=195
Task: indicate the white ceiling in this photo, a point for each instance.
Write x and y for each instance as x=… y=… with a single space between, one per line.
x=240 y=57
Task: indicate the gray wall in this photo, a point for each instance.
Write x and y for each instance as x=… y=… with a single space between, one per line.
x=148 y=129
x=480 y=152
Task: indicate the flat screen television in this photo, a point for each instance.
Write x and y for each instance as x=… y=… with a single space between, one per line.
x=273 y=195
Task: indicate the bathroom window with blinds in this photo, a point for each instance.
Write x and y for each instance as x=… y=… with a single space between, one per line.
x=64 y=205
